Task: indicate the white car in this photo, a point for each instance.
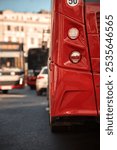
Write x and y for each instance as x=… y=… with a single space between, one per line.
x=42 y=81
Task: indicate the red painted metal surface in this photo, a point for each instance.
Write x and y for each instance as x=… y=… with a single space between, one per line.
x=74 y=88
x=92 y=18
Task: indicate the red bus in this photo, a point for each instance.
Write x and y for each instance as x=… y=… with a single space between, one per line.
x=74 y=61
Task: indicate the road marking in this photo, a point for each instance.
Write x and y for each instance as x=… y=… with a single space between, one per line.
x=12 y=96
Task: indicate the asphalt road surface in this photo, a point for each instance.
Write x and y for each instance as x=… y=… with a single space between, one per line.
x=24 y=125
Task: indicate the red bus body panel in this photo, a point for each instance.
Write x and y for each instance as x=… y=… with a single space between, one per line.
x=74 y=88
x=93 y=33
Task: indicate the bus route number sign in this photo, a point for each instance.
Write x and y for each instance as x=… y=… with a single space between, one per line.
x=72 y=2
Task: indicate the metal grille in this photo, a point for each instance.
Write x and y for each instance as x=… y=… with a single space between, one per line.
x=98 y=21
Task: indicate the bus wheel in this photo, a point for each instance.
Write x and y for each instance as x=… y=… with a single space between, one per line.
x=4 y=91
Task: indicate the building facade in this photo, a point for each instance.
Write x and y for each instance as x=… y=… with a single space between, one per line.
x=31 y=29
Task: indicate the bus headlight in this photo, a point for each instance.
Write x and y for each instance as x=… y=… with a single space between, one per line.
x=75 y=57
x=73 y=33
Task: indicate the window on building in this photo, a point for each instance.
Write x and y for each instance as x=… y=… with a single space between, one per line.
x=29 y=18
x=8 y=27
x=22 y=28
x=16 y=28
x=48 y=31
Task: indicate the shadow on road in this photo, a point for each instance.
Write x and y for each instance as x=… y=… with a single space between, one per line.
x=84 y=137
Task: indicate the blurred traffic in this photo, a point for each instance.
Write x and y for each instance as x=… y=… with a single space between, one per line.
x=24 y=47
x=42 y=81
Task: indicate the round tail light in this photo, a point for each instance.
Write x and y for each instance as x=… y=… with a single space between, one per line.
x=75 y=57
x=73 y=33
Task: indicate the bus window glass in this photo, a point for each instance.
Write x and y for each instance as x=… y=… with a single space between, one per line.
x=11 y=62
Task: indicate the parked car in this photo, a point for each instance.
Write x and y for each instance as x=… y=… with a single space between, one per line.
x=42 y=81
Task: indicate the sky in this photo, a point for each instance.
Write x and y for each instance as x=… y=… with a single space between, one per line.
x=25 y=5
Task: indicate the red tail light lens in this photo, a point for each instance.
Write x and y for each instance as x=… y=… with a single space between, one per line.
x=75 y=57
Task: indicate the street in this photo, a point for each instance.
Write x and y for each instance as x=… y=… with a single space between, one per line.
x=24 y=125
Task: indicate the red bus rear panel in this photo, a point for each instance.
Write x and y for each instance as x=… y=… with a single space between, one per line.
x=74 y=87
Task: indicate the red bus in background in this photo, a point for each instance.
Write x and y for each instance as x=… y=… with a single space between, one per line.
x=74 y=61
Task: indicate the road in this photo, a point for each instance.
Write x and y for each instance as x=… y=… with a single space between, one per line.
x=24 y=126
